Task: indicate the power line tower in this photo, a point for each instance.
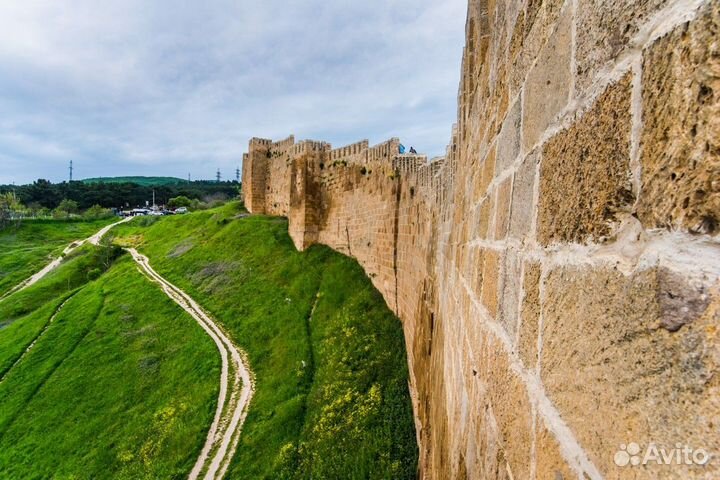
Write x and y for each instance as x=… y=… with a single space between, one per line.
x=237 y=174
x=71 y=170
x=188 y=177
x=217 y=176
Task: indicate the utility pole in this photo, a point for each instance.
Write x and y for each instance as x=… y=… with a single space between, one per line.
x=153 y=199
x=217 y=176
x=71 y=170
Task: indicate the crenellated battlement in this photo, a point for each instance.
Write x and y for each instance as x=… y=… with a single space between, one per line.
x=408 y=163
x=384 y=152
x=284 y=144
x=353 y=153
x=260 y=142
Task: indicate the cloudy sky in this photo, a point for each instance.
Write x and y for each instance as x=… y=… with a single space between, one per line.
x=171 y=87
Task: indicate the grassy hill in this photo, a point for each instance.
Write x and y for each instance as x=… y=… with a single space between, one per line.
x=25 y=250
x=118 y=383
x=332 y=399
x=139 y=180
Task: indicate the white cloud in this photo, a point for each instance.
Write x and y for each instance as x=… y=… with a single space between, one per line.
x=170 y=87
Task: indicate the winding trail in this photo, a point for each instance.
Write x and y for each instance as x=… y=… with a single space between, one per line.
x=236 y=383
x=94 y=240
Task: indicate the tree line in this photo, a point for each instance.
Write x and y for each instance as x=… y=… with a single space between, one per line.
x=43 y=194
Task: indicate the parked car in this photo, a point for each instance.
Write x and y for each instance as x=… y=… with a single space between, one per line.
x=181 y=210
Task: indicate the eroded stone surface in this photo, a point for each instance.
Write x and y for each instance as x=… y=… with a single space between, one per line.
x=549 y=463
x=604 y=351
x=548 y=84
x=508 y=141
x=502 y=209
x=510 y=292
x=530 y=315
x=523 y=198
x=604 y=30
x=585 y=172
x=681 y=135
x=531 y=32
x=490 y=282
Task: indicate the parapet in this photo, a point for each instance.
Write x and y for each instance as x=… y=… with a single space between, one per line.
x=307 y=146
x=260 y=142
x=407 y=163
x=384 y=151
x=354 y=151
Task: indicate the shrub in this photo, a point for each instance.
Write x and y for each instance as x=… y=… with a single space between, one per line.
x=179 y=201
x=97 y=212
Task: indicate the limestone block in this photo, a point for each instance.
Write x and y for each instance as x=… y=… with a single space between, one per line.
x=485 y=209
x=681 y=134
x=490 y=282
x=607 y=354
x=530 y=315
x=502 y=209
x=510 y=292
x=479 y=270
x=549 y=462
x=511 y=409
x=604 y=30
x=522 y=208
x=585 y=172
x=532 y=30
x=508 y=141
x=488 y=172
x=547 y=87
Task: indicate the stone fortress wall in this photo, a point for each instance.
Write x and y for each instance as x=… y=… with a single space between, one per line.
x=557 y=271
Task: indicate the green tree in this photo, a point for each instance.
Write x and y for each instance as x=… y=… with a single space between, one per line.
x=66 y=208
x=179 y=201
x=96 y=211
x=10 y=208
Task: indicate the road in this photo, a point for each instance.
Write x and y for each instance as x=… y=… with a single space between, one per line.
x=236 y=383
x=94 y=240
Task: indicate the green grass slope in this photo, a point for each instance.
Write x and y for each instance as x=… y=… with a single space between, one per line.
x=139 y=180
x=332 y=398
x=27 y=248
x=121 y=384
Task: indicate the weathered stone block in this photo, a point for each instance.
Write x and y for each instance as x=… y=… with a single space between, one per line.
x=681 y=135
x=531 y=31
x=585 y=172
x=530 y=315
x=607 y=354
x=490 y=282
x=488 y=170
x=547 y=87
x=549 y=462
x=522 y=208
x=484 y=221
x=508 y=141
x=604 y=30
x=510 y=292
x=511 y=409
x=502 y=209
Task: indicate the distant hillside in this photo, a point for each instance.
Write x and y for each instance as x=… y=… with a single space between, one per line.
x=144 y=181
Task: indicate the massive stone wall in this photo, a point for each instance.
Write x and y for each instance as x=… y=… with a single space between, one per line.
x=557 y=272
